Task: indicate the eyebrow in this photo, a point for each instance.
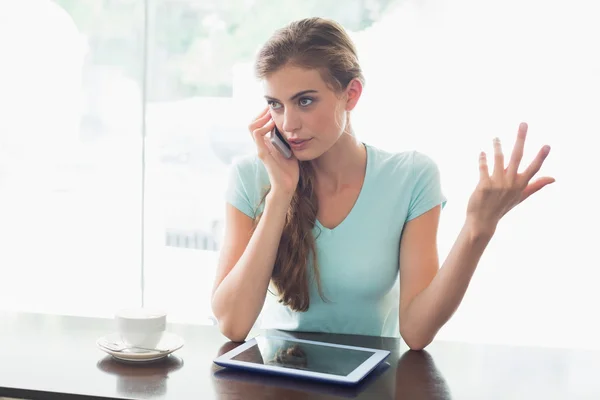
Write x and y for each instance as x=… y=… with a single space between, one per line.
x=302 y=93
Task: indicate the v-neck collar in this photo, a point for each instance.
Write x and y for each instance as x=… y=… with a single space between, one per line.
x=357 y=203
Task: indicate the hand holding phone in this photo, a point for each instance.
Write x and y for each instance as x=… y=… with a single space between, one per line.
x=280 y=144
x=284 y=170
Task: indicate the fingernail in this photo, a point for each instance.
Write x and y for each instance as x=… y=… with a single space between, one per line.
x=546 y=150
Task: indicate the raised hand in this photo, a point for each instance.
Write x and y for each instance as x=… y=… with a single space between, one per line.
x=498 y=193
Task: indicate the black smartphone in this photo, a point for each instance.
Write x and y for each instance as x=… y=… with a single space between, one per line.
x=280 y=144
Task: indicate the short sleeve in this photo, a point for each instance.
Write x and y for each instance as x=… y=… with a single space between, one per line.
x=237 y=189
x=427 y=188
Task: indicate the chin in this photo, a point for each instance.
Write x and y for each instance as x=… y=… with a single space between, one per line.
x=304 y=157
x=310 y=152
x=307 y=155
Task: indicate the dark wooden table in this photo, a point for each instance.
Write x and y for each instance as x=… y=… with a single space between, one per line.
x=54 y=357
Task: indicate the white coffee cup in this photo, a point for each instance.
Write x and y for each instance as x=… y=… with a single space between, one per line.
x=141 y=327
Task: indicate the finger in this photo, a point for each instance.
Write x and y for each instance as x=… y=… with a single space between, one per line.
x=272 y=150
x=260 y=121
x=261 y=147
x=536 y=164
x=263 y=129
x=517 y=153
x=262 y=113
x=259 y=138
x=484 y=173
x=498 y=159
x=535 y=186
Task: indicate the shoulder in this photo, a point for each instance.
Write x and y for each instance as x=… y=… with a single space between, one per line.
x=248 y=181
x=407 y=164
x=248 y=164
x=249 y=171
x=421 y=161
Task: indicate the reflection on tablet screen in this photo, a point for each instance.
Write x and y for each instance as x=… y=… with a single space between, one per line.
x=305 y=356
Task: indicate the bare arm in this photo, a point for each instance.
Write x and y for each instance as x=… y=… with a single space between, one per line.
x=428 y=297
x=247 y=259
x=246 y=265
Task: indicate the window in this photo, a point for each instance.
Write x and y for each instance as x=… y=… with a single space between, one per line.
x=201 y=97
x=70 y=156
x=125 y=117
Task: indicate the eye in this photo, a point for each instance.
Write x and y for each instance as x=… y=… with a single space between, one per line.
x=273 y=104
x=305 y=101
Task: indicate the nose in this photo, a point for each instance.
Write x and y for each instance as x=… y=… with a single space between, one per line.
x=291 y=121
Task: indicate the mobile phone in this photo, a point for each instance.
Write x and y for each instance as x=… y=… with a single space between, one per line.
x=280 y=144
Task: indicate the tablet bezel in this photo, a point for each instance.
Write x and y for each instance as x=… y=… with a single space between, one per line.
x=360 y=372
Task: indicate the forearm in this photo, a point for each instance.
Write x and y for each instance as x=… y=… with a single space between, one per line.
x=239 y=298
x=434 y=306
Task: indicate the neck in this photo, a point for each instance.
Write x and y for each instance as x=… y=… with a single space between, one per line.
x=342 y=165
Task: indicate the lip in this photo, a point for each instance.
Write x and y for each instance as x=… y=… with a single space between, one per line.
x=298 y=144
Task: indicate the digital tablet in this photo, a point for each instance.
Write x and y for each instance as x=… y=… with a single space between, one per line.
x=304 y=358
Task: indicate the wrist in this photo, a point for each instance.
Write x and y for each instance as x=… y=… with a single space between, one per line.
x=278 y=199
x=480 y=230
x=279 y=195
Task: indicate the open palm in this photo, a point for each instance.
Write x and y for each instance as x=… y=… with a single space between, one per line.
x=498 y=193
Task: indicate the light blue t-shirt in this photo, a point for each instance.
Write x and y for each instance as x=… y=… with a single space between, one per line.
x=359 y=259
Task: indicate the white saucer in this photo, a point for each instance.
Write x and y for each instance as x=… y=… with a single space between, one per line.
x=169 y=343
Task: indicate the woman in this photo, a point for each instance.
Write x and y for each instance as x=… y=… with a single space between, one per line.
x=341 y=237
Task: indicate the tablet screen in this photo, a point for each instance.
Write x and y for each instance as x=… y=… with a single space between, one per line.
x=305 y=356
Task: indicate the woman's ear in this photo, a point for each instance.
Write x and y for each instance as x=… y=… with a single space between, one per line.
x=353 y=92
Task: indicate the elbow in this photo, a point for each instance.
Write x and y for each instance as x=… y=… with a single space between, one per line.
x=414 y=341
x=230 y=326
x=232 y=332
x=416 y=345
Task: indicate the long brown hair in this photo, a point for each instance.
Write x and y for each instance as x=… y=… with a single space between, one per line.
x=311 y=43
